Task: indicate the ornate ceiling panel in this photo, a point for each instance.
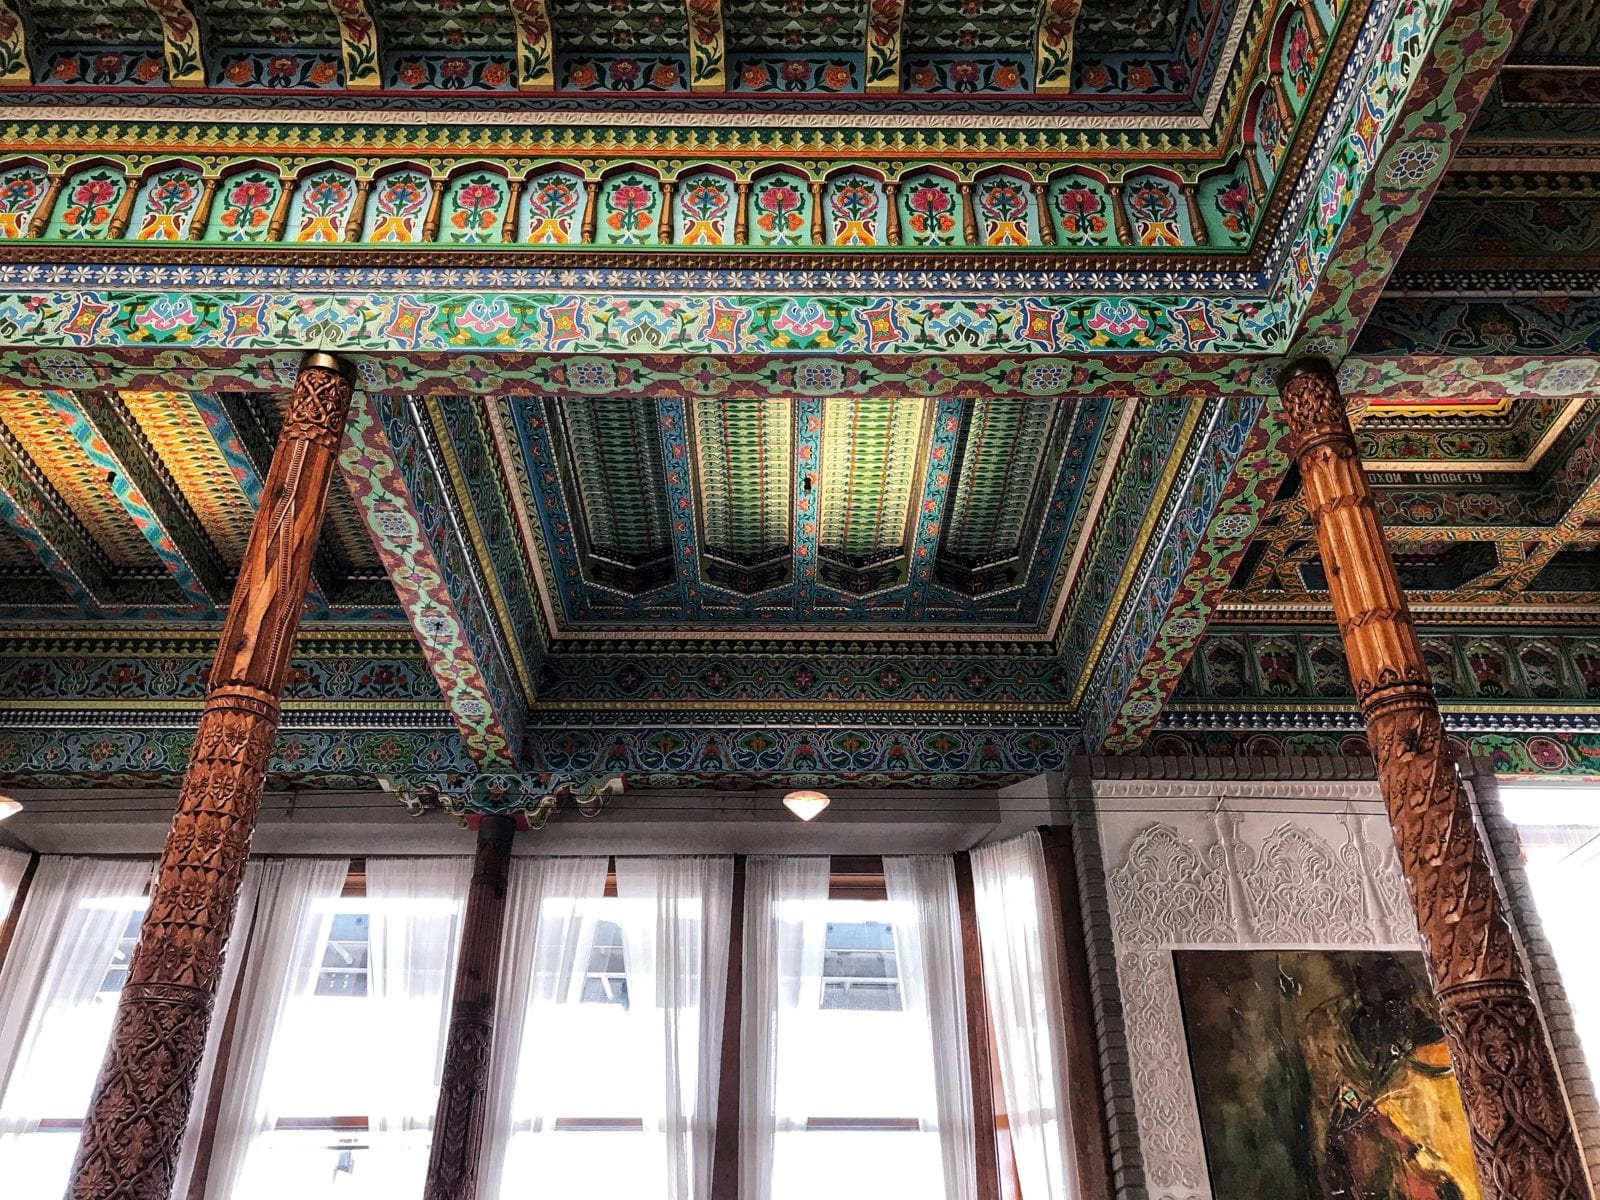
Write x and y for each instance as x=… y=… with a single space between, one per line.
x=852 y=517
x=782 y=25
x=279 y=25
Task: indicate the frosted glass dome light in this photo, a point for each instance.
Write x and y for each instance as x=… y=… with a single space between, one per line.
x=805 y=804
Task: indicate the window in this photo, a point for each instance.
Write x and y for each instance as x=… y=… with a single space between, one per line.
x=65 y=971
x=591 y=1060
x=855 y=1065
x=351 y=1077
x=1559 y=828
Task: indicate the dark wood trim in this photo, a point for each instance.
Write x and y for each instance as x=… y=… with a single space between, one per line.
x=8 y=931
x=725 y=1148
x=1091 y=1137
x=856 y=877
x=979 y=1050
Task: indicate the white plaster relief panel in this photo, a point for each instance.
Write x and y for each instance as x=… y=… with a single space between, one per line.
x=1242 y=865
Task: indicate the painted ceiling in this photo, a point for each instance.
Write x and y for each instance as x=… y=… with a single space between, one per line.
x=773 y=393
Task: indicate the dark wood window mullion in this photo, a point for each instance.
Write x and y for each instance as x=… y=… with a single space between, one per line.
x=979 y=1056
x=1090 y=1135
x=8 y=931
x=725 y=1148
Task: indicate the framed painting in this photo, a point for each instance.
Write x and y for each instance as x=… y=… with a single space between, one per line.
x=1322 y=1075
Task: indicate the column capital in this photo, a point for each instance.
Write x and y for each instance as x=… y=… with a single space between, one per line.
x=1312 y=405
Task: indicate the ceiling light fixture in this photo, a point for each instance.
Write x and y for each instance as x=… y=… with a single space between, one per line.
x=10 y=807
x=805 y=803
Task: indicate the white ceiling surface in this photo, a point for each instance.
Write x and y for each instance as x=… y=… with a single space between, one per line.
x=752 y=821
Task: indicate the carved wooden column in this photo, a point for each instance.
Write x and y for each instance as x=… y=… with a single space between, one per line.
x=463 y=1090
x=1522 y=1136
x=141 y=1102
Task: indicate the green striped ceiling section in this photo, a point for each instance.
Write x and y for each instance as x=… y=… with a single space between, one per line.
x=613 y=453
x=744 y=450
x=997 y=489
x=874 y=454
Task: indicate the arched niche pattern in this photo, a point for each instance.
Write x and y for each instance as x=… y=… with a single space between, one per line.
x=165 y=204
x=1157 y=212
x=780 y=209
x=552 y=208
x=1079 y=204
x=88 y=202
x=703 y=209
x=397 y=206
x=320 y=208
x=629 y=208
x=1006 y=212
x=247 y=198
x=931 y=211
x=473 y=210
x=1227 y=206
x=23 y=188
x=857 y=209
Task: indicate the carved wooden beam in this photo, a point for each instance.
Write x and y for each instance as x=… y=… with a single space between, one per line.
x=180 y=42
x=1052 y=59
x=37 y=514
x=1522 y=1137
x=463 y=1086
x=108 y=433
x=16 y=64
x=536 y=46
x=708 y=46
x=235 y=422
x=885 y=23
x=358 y=45
x=131 y=1138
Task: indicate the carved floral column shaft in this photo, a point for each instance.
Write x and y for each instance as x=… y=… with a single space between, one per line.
x=463 y=1091
x=1522 y=1136
x=141 y=1102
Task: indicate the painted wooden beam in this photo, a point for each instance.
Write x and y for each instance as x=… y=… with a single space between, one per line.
x=1229 y=476
x=358 y=44
x=37 y=514
x=108 y=434
x=399 y=488
x=16 y=64
x=885 y=22
x=536 y=46
x=180 y=42
x=708 y=46
x=1052 y=60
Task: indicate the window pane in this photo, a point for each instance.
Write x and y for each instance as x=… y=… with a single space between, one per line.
x=319 y=1164
x=892 y=1163
x=1560 y=833
x=859 y=969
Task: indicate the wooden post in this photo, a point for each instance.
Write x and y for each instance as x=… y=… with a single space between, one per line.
x=1522 y=1137
x=142 y=1100
x=980 y=1058
x=1091 y=1136
x=8 y=929
x=463 y=1090
x=725 y=1148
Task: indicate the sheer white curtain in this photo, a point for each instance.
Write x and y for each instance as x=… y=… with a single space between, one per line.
x=415 y=907
x=549 y=906
x=13 y=866
x=675 y=915
x=1021 y=979
x=57 y=1002
x=927 y=940
x=292 y=912
x=784 y=945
